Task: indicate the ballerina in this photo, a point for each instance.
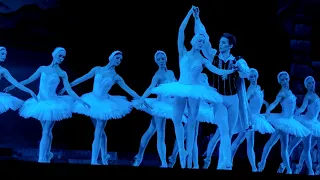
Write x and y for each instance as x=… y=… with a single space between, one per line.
x=206 y=114
x=233 y=113
x=188 y=91
x=311 y=102
x=162 y=109
x=8 y=101
x=104 y=107
x=260 y=124
x=50 y=107
x=283 y=122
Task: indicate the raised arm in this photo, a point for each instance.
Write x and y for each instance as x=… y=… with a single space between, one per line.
x=275 y=103
x=81 y=79
x=154 y=82
x=181 y=47
x=32 y=78
x=199 y=28
x=216 y=70
x=67 y=86
x=14 y=82
x=126 y=88
x=85 y=77
x=303 y=106
x=243 y=68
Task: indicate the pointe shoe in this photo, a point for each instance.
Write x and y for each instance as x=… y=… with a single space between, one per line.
x=172 y=161
x=164 y=166
x=225 y=166
x=261 y=166
x=195 y=166
x=207 y=162
x=50 y=156
x=95 y=163
x=317 y=170
x=281 y=168
x=183 y=159
x=105 y=159
x=137 y=161
x=298 y=169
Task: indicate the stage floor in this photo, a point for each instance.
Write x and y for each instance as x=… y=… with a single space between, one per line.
x=22 y=162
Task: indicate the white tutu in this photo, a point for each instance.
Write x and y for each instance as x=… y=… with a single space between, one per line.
x=288 y=125
x=312 y=125
x=48 y=110
x=114 y=107
x=196 y=91
x=206 y=113
x=261 y=125
x=9 y=102
x=161 y=108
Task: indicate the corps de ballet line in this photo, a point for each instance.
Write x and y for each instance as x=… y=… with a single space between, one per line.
x=187 y=101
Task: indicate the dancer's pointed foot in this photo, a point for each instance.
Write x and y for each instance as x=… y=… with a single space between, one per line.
x=317 y=170
x=298 y=169
x=172 y=161
x=281 y=168
x=207 y=162
x=225 y=166
x=95 y=163
x=183 y=159
x=261 y=166
x=164 y=165
x=105 y=159
x=137 y=161
x=50 y=156
x=196 y=166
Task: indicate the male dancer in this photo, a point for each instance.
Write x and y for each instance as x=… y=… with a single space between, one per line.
x=232 y=115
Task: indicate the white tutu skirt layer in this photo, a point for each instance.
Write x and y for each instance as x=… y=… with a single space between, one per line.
x=261 y=125
x=161 y=108
x=206 y=113
x=114 y=107
x=288 y=125
x=9 y=102
x=196 y=91
x=312 y=124
x=48 y=110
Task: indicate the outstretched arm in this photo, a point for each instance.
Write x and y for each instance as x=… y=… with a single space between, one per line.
x=154 y=82
x=181 y=47
x=303 y=106
x=85 y=77
x=15 y=83
x=216 y=70
x=199 y=28
x=67 y=86
x=275 y=103
x=126 y=88
x=81 y=79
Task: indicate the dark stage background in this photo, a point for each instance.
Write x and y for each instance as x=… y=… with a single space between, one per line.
x=90 y=31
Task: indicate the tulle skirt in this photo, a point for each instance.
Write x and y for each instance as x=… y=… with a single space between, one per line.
x=288 y=125
x=161 y=108
x=312 y=124
x=206 y=113
x=9 y=102
x=114 y=107
x=196 y=91
x=261 y=125
x=48 y=110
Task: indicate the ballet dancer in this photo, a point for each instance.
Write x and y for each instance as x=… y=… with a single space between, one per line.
x=283 y=122
x=232 y=115
x=188 y=91
x=8 y=101
x=50 y=107
x=256 y=100
x=311 y=102
x=205 y=115
x=162 y=109
x=104 y=107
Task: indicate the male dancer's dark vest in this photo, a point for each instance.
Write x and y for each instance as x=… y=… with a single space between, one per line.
x=228 y=86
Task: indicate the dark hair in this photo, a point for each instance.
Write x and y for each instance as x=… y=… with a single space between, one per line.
x=231 y=38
